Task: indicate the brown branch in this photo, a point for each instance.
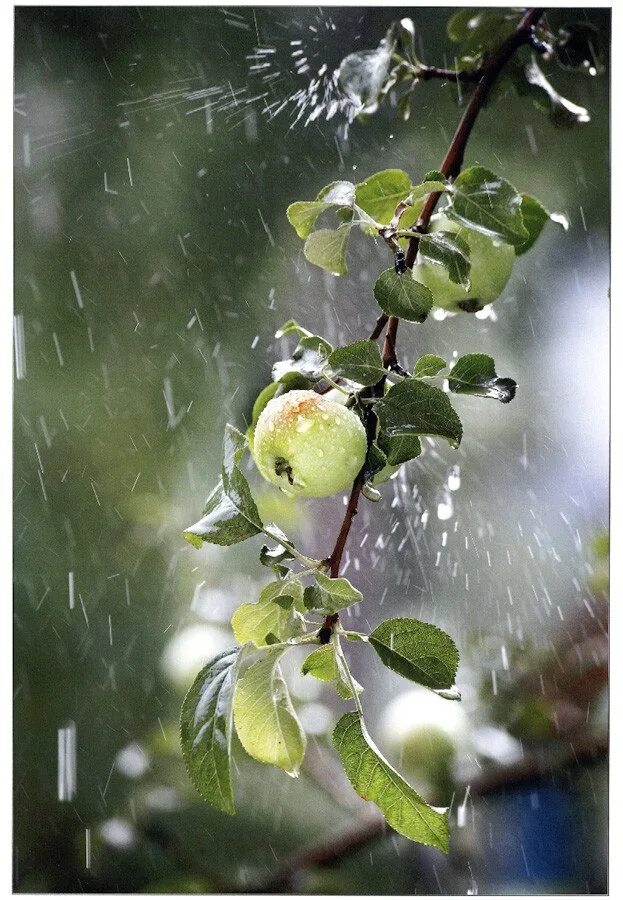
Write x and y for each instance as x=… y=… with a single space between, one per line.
x=450 y=167
x=453 y=160
x=527 y=771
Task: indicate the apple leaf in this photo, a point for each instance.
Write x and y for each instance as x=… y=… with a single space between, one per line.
x=266 y=723
x=325 y=665
x=563 y=112
x=401 y=296
x=374 y=779
x=449 y=250
x=488 y=203
x=428 y=366
x=206 y=730
x=303 y=214
x=475 y=374
x=413 y=407
x=399 y=448
x=230 y=514
x=327 y=248
x=360 y=361
x=329 y=595
x=417 y=651
x=380 y=194
x=274 y=614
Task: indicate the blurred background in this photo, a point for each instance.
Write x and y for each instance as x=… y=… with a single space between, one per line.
x=153 y=265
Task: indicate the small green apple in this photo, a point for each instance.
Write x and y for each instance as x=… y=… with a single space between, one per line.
x=491 y=265
x=308 y=445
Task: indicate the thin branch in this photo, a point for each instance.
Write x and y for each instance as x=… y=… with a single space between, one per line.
x=427 y=73
x=526 y=771
x=450 y=167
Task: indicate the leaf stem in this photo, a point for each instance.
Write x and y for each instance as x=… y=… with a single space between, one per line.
x=337 y=648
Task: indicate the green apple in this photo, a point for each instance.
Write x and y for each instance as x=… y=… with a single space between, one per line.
x=491 y=265
x=308 y=445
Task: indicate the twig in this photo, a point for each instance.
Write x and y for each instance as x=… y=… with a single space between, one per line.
x=450 y=167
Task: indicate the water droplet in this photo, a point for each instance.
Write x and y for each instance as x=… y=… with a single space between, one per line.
x=454 y=478
x=445 y=506
x=303 y=424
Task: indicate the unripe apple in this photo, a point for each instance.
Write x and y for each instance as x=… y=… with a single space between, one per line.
x=491 y=265
x=308 y=445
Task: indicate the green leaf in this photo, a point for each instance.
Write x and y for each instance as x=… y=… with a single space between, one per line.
x=274 y=557
x=489 y=204
x=360 y=361
x=376 y=460
x=235 y=484
x=265 y=720
x=307 y=340
x=475 y=374
x=331 y=594
x=417 y=651
x=303 y=215
x=401 y=296
x=380 y=194
x=449 y=250
x=254 y=621
x=230 y=514
x=534 y=217
x=374 y=779
x=221 y=523
x=327 y=248
x=399 y=448
x=275 y=591
x=413 y=407
x=305 y=366
x=262 y=399
x=428 y=366
x=206 y=730
x=428 y=186
x=324 y=665
x=435 y=175
x=480 y=31
x=273 y=614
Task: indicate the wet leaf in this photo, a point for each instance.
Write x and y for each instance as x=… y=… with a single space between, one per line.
x=230 y=514
x=449 y=250
x=402 y=296
x=413 y=408
x=418 y=651
x=303 y=214
x=360 y=361
x=329 y=595
x=489 y=204
x=428 y=366
x=274 y=614
x=475 y=374
x=266 y=723
x=324 y=665
x=530 y=80
x=206 y=730
x=327 y=248
x=399 y=448
x=380 y=194
x=374 y=779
